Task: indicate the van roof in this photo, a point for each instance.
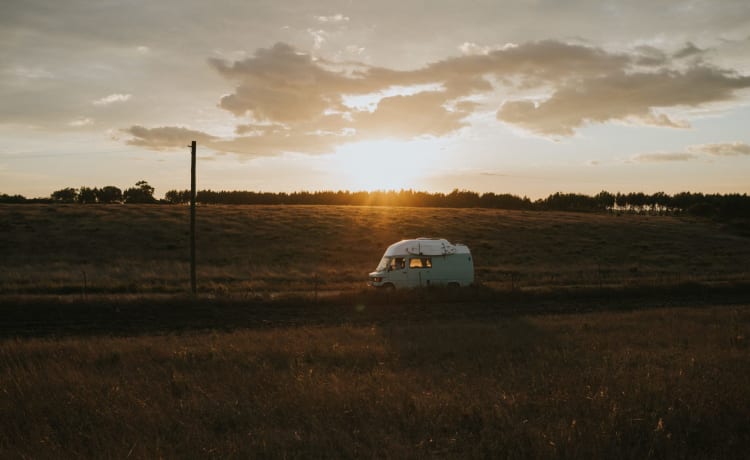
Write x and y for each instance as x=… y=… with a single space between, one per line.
x=426 y=246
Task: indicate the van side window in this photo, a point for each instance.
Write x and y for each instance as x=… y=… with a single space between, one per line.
x=423 y=262
x=398 y=263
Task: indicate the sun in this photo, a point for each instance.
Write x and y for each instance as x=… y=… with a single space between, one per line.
x=383 y=164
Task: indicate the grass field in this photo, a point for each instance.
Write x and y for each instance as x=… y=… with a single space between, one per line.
x=665 y=383
x=60 y=249
x=589 y=336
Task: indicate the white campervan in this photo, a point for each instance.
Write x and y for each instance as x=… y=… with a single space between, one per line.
x=424 y=262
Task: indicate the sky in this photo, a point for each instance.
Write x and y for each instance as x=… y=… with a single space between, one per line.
x=524 y=97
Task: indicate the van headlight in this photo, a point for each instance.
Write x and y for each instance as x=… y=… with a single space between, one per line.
x=376 y=279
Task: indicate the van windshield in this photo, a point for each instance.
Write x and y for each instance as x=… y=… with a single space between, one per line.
x=383 y=264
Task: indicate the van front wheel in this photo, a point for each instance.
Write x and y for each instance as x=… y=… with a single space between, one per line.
x=388 y=287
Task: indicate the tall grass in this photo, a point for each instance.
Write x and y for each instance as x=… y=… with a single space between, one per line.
x=652 y=384
x=66 y=249
x=362 y=374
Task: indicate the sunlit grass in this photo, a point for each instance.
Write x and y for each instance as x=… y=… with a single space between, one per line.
x=58 y=249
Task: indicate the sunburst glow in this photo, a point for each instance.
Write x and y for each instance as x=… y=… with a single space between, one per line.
x=384 y=165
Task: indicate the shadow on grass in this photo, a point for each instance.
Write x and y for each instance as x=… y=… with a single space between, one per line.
x=26 y=316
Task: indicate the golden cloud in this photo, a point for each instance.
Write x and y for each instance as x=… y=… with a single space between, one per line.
x=297 y=102
x=621 y=96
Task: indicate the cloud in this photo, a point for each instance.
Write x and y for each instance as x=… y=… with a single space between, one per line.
x=470 y=48
x=723 y=150
x=280 y=85
x=407 y=117
x=165 y=138
x=319 y=37
x=689 y=50
x=252 y=140
x=650 y=56
x=551 y=88
x=622 y=96
x=354 y=49
x=81 y=122
x=693 y=152
x=336 y=18
x=276 y=142
x=663 y=157
x=32 y=73
x=112 y=98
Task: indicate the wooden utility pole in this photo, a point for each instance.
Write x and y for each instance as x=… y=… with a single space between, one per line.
x=192 y=218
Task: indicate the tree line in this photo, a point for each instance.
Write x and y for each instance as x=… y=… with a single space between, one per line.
x=142 y=192
x=455 y=199
x=699 y=204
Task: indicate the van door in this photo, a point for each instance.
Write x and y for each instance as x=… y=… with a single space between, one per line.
x=398 y=272
x=420 y=271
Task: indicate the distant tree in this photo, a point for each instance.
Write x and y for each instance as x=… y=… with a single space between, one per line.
x=504 y=201
x=567 y=202
x=661 y=199
x=604 y=200
x=87 y=195
x=462 y=199
x=141 y=193
x=177 y=196
x=109 y=194
x=734 y=206
x=702 y=209
x=637 y=199
x=720 y=206
x=12 y=198
x=66 y=195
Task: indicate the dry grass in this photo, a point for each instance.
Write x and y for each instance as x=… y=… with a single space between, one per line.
x=652 y=384
x=260 y=249
x=434 y=373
